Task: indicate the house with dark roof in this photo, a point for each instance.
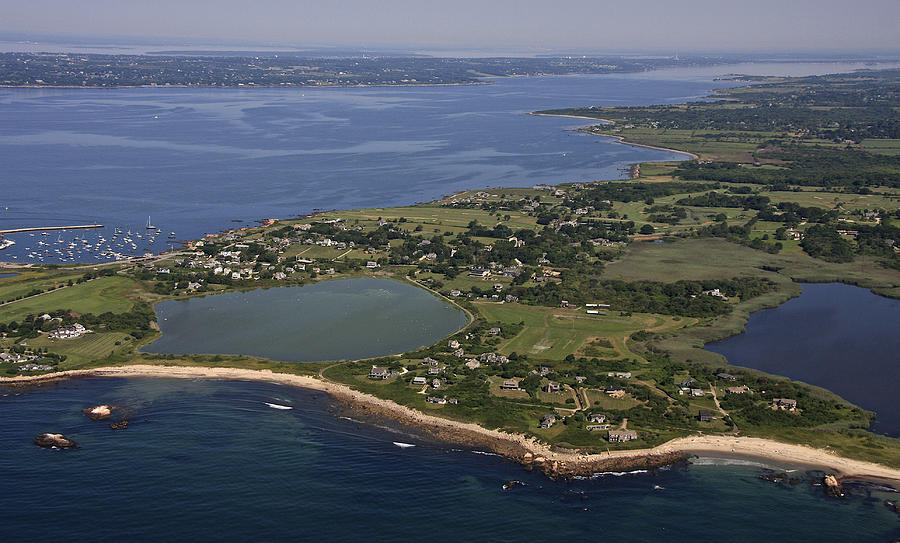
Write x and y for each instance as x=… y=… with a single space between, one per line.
x=552 y=386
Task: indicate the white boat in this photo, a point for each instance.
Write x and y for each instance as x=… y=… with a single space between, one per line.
x=150 y=226
x=403 y=445
x=276 y=406
x=4 y=243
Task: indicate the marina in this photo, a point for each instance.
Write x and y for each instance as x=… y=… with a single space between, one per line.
x=93 y=245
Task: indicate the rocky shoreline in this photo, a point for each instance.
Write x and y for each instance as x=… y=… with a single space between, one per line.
x=526 y=450
x=507 y=448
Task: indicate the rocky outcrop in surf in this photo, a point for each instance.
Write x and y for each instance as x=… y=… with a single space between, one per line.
x=49 y=441
x=832 y=486
x=100 y=412
x=618 y=464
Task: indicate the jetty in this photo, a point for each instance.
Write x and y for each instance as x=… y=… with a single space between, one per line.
x=45 y=228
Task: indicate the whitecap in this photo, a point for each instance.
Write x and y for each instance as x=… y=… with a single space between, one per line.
x=485 y=453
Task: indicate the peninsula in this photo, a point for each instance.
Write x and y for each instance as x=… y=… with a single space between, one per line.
x=588 y=303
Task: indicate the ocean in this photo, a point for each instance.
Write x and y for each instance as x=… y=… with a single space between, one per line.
x=210 y=461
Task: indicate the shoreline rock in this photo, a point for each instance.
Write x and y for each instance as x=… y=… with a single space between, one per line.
x=49 y=441
x=513 y=451
x=832 y=486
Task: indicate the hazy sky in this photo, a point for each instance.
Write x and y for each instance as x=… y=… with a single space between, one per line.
x=660 y=25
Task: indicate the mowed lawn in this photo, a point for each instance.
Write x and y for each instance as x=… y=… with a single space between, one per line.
x=83 y=349
x=554 y=333
x=26 y=281
x=95 y=296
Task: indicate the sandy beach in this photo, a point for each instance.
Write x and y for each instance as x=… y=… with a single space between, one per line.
x=517 y=447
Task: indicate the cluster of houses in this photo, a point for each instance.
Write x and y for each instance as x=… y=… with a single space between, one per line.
x=69 y=332
x=35 y=367
x=595 y=423
x=15 y=358
x=18 y=358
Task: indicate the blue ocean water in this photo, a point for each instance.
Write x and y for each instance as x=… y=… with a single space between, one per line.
x=836 y=336
x=209 y=461
x=197 y=160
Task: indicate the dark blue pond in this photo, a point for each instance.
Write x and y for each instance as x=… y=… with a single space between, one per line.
x=836 y=336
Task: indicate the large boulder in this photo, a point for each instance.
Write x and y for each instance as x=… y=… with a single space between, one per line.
x=101 y=412
x=832 y=486
x=58 y=441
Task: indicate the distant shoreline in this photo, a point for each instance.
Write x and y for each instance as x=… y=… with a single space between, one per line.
x=525 y=450
x=226 y=87
x=620 y=139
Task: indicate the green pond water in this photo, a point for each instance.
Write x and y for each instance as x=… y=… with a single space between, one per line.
x=333 y=320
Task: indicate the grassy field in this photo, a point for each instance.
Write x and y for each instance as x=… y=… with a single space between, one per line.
x=434 y=216
x=115 y=294
x=719 y=259
x=600 y=400
x=554 y=333
x=81 y=351
x=28 y=280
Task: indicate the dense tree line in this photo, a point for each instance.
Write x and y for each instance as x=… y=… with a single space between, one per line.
x=805 y=167
x=718 y=199
x=684 y=298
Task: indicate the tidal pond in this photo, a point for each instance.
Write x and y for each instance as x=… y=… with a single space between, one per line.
x=835 y=336
x=332 y=320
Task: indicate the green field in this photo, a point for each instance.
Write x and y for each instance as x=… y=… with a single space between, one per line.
x=554 y=333
x=28 y=280
x=81 y=351
x=113 y=294
x=600 y=400
x=712 y=258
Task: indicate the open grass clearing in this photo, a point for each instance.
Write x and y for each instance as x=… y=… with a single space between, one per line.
x=554 y=333
x=114 y=294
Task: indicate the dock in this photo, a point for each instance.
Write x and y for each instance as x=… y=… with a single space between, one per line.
x=45 y=228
